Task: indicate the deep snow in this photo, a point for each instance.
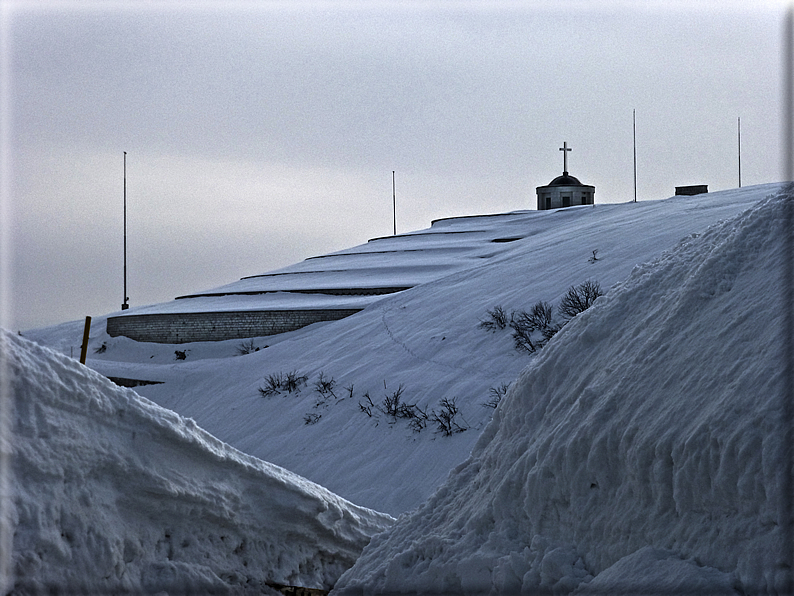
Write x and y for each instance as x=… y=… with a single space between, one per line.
x=642 y=447
x=426 y=339
x=638 y=446
x=112 y=493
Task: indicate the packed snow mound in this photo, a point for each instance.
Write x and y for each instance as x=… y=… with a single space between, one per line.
x=111 y=493
x=641 y=450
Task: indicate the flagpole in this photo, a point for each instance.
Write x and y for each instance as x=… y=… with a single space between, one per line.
x=739 y=124
x=634 y=132
x=124 y=305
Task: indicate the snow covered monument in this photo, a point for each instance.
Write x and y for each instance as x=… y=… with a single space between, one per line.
x=565 y=190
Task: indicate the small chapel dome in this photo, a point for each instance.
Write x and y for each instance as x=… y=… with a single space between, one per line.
x=565 y=190
x=565 y=180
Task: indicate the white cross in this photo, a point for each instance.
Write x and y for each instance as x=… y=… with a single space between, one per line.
x=565 y=150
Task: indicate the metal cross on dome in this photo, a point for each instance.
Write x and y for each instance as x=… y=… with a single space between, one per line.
x=565 y=149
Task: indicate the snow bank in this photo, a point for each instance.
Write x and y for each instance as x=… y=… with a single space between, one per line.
x=112 y=493
x=641 y=450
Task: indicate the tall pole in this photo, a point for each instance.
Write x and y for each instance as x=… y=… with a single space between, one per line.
x=788 y=98
x=634 y=132
x=124 y=305
x=739 y=123
x=394 y=201
x=787 y=392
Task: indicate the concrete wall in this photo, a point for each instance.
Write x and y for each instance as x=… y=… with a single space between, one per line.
x=217 y=326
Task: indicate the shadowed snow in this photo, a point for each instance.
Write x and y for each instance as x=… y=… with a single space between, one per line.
x=111 y=492
x=642 y=447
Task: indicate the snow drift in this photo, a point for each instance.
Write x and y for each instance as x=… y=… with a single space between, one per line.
x=640 y=452
x=112 y=493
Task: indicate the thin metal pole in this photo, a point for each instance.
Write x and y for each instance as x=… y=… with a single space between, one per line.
x=394 y=201
x=787 y=390
x=739 y=123
x=634 y=132
x=788 y=97
x=124 y=305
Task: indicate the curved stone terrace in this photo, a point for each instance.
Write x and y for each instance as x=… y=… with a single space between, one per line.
x=326 y=287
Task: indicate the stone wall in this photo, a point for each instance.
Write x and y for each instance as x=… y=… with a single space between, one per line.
x=180 y=328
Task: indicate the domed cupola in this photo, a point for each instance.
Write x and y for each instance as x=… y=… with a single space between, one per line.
x=565 y=190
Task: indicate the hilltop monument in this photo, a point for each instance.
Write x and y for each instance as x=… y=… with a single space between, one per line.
x=565 y=190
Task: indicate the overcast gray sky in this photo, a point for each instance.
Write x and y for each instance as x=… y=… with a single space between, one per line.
x=258 y=134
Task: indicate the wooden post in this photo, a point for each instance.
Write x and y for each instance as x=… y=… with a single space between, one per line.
x=86 y=330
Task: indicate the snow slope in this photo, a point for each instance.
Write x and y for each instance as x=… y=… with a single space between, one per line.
x=640 y=452
x=111 y=493
x=425 y=339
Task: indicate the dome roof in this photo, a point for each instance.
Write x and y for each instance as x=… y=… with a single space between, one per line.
x=565 y=180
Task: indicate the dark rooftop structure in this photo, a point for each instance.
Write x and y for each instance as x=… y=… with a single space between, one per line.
x=695 y=189
x=565 y=190
x=565 y=180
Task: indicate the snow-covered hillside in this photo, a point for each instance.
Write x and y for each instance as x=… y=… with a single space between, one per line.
x=425 y=339
x=111 y=493
x=641 y=452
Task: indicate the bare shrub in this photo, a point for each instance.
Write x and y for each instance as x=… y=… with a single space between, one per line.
x=496 y=394
x=367 y=406
x=278 y=382
x=418 y=422
x=522 y=338
x=391 y=403
x=541 y=315
x=311 y=418
x=325 y=387
x=578 y=299
x=247 y=347
x=293 y=382
x=394 y=407
x=497 y=320
x=549 y=331
x=538 y=321
x=445 y=418
x=273 y=385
